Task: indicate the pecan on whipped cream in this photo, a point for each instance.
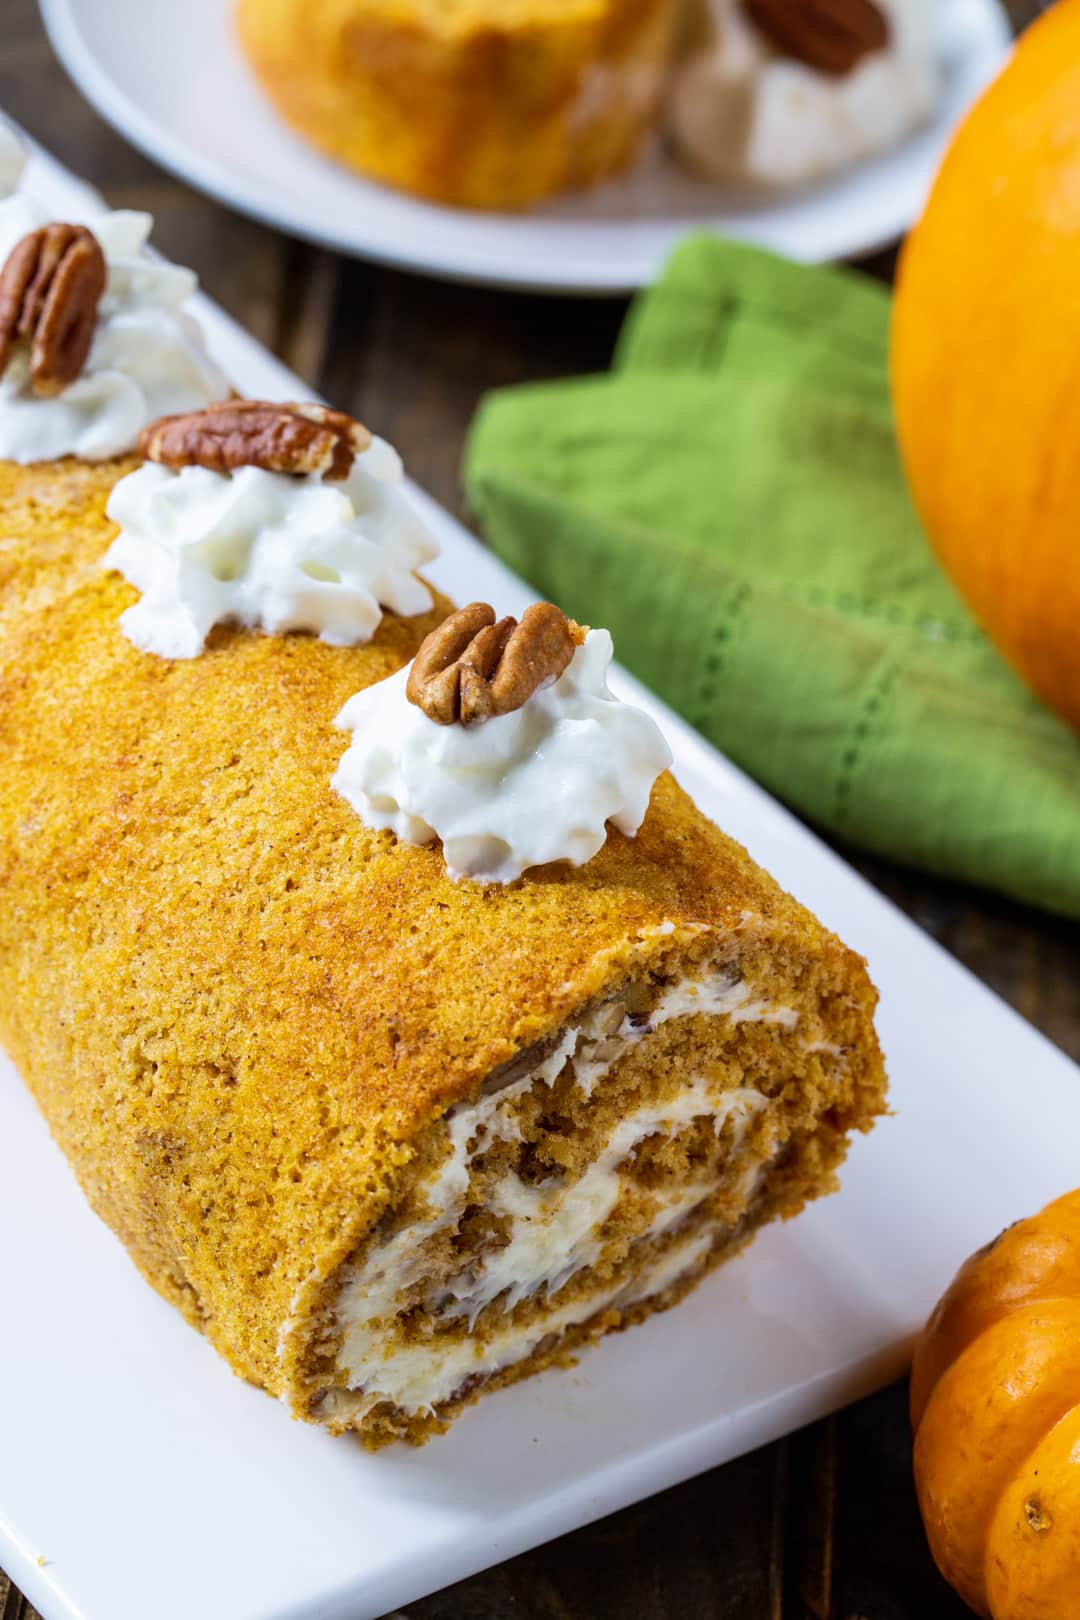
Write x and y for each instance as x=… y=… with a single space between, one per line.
x=472 y=668
x=299 y=439
x=832 y=36
x=273 y=517
x=51 y=285
x=95 y=336
x=509 y=774
x=775 y=94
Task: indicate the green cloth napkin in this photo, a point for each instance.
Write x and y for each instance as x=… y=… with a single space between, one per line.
x=730 y=503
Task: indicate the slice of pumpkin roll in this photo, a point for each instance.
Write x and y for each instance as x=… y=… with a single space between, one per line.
x=520 y=98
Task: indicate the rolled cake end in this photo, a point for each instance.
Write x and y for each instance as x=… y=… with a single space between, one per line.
x=595 y=1178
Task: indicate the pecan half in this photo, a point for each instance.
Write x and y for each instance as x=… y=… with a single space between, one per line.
x=832 y=36
x=50 y=288
x=472 y=668
x=297 y=439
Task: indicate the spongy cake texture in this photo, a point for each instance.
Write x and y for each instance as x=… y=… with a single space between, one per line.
x=520 y=98
x=241 y=1012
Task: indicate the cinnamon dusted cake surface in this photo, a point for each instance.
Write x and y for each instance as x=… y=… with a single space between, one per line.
x=239 y=1008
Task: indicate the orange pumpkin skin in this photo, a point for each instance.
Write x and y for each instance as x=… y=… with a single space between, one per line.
x=986 y=335
x=1033 y=1568
x=996 y=1410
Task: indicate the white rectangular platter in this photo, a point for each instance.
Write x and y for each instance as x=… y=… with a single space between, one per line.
x=139 y=1478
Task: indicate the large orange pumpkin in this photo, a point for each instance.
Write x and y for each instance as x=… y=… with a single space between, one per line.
x=986 y=360
x=995 y=1402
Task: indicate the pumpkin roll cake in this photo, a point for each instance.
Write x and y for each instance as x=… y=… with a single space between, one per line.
x=482 y=103
x=389 y=998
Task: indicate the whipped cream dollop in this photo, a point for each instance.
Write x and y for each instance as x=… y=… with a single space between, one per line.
x=539 y=784
x=12 y=159
x=266 y=550
x=147 y=358
x=744 y=114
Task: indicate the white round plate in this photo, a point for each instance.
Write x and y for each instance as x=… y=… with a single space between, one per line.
x=173 y=80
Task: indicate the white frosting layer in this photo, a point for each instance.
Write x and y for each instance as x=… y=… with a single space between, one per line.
x=742 y=113
x=717 y=997
x=720 y=997
x=266 y=550
x=12 y=159
x=421 y=1376
x=147 y=358
x=552 y=1230
x=526 y=788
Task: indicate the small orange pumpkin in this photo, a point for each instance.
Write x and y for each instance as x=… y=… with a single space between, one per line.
x=986 y=340
x=995 y=1404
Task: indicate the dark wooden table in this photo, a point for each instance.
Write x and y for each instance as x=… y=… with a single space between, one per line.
x=823 y=1525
